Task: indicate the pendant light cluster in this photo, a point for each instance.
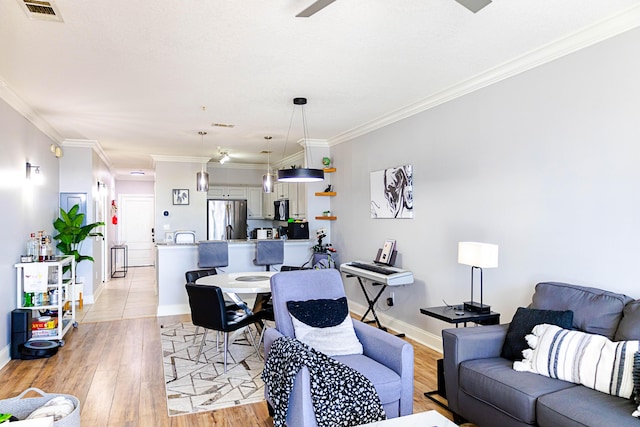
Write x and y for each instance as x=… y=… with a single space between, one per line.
x=202 y=177
x=300 y=174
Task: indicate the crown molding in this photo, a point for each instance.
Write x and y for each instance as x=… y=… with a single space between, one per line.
x=230 y=165
x=313 y=143
x=287 y=161
x=88 y=143
x=602 y=30
x=178 y=159
x=81 y=143
x=210 y=165
x=15 y=102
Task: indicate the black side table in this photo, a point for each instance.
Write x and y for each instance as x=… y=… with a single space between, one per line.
x=114 y=261
x=455 y=314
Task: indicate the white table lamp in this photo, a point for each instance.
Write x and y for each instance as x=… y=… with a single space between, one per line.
x=478 y=256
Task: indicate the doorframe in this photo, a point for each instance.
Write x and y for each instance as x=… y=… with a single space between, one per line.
x=101 y=210
x=121 y=198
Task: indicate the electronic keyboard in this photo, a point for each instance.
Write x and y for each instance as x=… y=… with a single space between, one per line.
x=391 y=276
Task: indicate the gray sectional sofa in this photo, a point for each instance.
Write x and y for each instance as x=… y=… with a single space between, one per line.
x=483 y=388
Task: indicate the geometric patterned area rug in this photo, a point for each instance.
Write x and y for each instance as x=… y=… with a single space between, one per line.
x=203 y=386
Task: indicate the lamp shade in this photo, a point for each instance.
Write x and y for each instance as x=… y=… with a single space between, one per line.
x=300 y=175
x=483 y=255
x=202 y=181
x=267 y=183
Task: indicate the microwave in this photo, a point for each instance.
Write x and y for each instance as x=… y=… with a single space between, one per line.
x=281 y=210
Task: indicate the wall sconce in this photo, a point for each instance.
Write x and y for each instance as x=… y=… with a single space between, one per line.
x=56 y=150
x=32 y=169
x=101 y=187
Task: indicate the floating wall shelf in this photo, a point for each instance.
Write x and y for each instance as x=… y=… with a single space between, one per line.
x=327 y=218
x=326 y=193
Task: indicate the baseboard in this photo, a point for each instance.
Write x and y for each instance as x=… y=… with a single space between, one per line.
x=5 y=356
x=91 y=299
x=423 y=337
x=172 y=309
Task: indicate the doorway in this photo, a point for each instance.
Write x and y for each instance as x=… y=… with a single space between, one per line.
x=135 y=228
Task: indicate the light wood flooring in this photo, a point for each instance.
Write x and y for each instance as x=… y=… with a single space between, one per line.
x=113 y=364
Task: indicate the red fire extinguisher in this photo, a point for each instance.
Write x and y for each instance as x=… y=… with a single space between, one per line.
x=114 y=213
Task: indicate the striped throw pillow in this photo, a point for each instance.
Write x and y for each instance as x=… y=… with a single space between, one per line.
x=588 y=359
x=636 y=383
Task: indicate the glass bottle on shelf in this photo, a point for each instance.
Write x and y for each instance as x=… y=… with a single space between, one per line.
x=48 y=248
x=32 y=245
x=41 y=247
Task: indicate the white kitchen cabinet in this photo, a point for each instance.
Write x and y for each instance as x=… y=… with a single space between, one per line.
x=295 y=192
x=268 y=209
x=281 y=190
x=297 y=200
x=254 y=203
x=227 y=192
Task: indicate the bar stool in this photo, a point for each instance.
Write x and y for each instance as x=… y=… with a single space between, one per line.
x=213 y=253
x=269 y=252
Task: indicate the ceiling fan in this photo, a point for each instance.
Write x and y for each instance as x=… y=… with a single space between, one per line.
x=473 y=5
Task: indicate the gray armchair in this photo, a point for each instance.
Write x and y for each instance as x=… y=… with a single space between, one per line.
x=387 y=360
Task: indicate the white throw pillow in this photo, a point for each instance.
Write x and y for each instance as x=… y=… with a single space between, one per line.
x=325 y=325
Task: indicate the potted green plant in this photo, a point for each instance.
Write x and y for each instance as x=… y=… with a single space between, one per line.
x=71 y=233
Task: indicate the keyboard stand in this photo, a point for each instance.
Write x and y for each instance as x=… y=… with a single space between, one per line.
x=372 y=302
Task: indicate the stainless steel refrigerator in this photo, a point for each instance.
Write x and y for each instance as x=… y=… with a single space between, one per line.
x=226 y=219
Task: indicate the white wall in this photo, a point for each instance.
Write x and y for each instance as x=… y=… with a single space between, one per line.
x=25 y=208
x=81 y=169
x=179 y=175
x=235 y=174
x=544 y=164
x=134 y=187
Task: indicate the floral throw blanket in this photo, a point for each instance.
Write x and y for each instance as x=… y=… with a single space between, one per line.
x=341 y=395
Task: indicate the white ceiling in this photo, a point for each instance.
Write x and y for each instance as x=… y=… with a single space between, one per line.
x=134 y=75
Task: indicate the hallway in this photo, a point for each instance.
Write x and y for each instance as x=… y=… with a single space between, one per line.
x=130 y=297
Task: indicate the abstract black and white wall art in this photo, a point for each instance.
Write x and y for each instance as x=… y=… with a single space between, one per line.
x=392 y=192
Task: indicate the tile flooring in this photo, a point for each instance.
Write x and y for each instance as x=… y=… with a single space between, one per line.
x=129 y=297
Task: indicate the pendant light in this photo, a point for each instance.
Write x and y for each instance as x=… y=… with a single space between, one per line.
x=267 y=180
x=202 y=177
x=300 y=174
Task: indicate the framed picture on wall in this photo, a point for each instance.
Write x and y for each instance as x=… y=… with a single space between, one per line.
x=180 y=196
x=392 y=192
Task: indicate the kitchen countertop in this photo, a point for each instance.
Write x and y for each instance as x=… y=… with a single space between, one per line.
x=173 y=260
x=233 y=242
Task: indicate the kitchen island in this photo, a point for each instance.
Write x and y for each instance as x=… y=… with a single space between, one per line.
x=172 y=261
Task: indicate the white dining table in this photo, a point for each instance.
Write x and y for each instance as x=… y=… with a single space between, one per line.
x=253 y=282
x=232 y=284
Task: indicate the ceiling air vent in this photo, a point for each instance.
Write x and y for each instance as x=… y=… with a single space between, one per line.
x=43 y=10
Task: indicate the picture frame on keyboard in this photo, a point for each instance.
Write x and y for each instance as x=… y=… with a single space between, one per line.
x=385 y=255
